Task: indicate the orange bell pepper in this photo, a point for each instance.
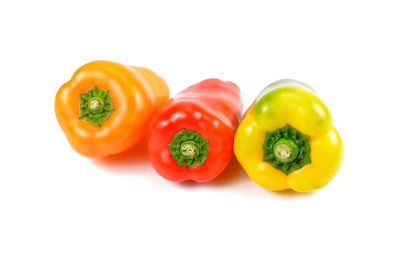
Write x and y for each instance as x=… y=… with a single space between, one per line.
x=104 y=108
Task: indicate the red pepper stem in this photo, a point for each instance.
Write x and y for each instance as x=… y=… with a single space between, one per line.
x=188 y=148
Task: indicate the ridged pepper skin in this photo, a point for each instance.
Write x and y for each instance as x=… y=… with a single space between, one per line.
x=105 y=107
x=204 y=116
x=289 y=110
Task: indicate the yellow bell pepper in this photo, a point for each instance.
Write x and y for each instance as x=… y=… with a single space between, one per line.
x=287 y=139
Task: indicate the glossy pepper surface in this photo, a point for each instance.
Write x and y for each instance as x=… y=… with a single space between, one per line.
x=105 y=107
x=191 y=136
x=287 y=139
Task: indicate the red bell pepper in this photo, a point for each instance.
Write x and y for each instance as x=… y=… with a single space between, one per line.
x=191 y=136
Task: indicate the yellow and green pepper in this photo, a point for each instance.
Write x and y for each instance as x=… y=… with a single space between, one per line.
x=287 y=139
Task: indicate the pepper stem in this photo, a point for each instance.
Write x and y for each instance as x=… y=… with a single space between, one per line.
x=188 y=148
x=95 y=106
x=286 y=149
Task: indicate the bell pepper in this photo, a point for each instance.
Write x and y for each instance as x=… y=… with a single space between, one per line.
x=287 y=139
x=105 y=107
x=191 y=135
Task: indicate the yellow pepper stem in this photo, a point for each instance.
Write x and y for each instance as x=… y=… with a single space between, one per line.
x=286 y=149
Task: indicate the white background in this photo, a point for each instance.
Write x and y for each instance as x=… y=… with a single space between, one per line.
x=54 y=200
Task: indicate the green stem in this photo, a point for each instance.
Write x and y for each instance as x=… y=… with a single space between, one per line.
x=286 y=149
x=95 y=106
x=188 y=148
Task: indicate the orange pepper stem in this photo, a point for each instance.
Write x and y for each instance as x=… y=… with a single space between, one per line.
x=95 y=106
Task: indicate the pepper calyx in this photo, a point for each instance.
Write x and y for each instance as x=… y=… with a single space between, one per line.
x=188 y=148
x=95 y=106
x=286 y=149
